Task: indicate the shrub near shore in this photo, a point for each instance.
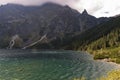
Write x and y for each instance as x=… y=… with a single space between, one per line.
x=112 y=75
x=110 y=54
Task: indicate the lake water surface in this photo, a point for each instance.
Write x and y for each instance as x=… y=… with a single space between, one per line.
x=50 y=65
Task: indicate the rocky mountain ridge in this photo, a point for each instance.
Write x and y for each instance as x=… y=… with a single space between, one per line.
x=30 y=23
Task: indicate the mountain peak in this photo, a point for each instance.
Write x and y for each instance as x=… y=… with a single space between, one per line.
x=13 y=4
x=51 y=4
x=84 y=12
x=9 y=5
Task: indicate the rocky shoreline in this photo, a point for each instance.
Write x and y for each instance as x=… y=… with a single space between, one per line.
x=110 y=62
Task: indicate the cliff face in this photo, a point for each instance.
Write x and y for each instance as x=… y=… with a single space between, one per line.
x=32 y=22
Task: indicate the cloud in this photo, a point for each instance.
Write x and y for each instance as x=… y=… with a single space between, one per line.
x=97 y=8
x=33 y=2
x=110 y=6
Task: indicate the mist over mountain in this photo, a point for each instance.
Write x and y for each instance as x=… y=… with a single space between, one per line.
x=30 y=23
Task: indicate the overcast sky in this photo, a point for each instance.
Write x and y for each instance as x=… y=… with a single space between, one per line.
x=98 y=8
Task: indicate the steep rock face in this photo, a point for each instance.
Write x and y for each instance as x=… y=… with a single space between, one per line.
x=87 y=20
x=32 y=22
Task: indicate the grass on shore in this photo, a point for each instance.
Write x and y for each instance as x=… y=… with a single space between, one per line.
x=112 y=75
x=110 y=54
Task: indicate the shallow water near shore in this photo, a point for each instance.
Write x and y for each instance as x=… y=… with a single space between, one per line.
x=50 y=65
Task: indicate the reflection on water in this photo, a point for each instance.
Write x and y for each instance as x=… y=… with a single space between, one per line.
x=49 y=65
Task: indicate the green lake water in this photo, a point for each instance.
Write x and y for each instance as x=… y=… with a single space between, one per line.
x=50 y=65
